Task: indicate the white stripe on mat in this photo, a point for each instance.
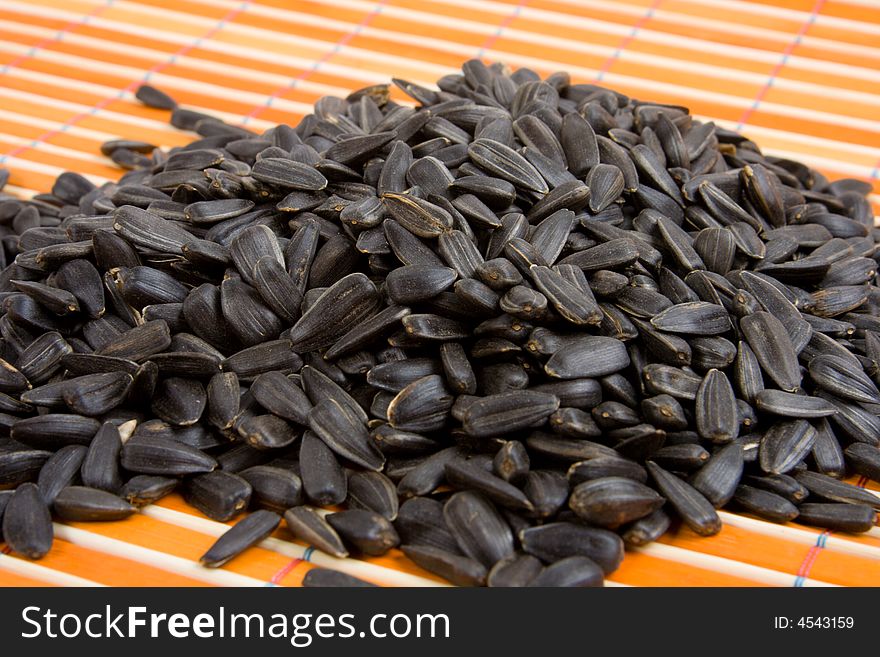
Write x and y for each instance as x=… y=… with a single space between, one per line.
x=19 y=192
x=800 y=536
x=42 y=573
x=359 y=76
x=45 y=124
x=725 y=566
x=796 y=15
x=698 y=23
x=215 y=67
x=222 y=69
x=154 y=558
x=362 y=569
x=62 y=82
x=16 y=162
x=404 y=63
x=62 y=151
x=426 y=18
x=591 y=23
x=169 y=83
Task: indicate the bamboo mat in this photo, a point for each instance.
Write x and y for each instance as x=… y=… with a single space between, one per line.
x=800 y=77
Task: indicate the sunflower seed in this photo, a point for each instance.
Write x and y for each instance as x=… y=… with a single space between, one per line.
x=366 y=531
x=478 y=528
x=60 y=470
x=690 y=505
x=324 y=577
x=100 y=467
x=764 y=504
x=219 y=495
x=853 y=518
x=164 y=456
x=27 y=524
x=83 y=504
x=141 y=490
x=244 y=534
x=784 y=445
x=773 y=349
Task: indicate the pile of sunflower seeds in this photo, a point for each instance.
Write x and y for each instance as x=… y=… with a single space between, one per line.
x=511 y=330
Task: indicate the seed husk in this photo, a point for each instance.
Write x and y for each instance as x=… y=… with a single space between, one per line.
x=324 y=481
x=854 y=518
x=613 y=501
x=514 y=571
x=558 y=540
x=366 y=531
x=219 y=495
x=466 y=475
x=373 y=491
x=690 y=505
x=246 y=533
x=141 y=490
x=164 y=456
x=343 y=433
x=508 y=411
x=275 y=488
x=788 y=404
x=695 y=318
x=646 y=530
x=838 y=377
x=27 y=524
x=345 y=304
x=100 y=468
x=864 y=460
x=570 y=572
x=718 y=478
x=587 y=358
x=478 y=528
x=823 y=486
x=326 y=577
x=458 y=569
x=84 y=504
x=773 y=348
x=717 y=418
x=311 y=528
x=784 y=445
x=60 y=470
x=179 y=401
x=96 y=394
x=765 y=504
x=54 y=430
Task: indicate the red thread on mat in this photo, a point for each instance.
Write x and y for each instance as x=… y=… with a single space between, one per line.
x=285 y=571
x=774 y=73
x=229 y=16
x=628 y=39
x=343 y=41
x=492 y=39
x=812 y=555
